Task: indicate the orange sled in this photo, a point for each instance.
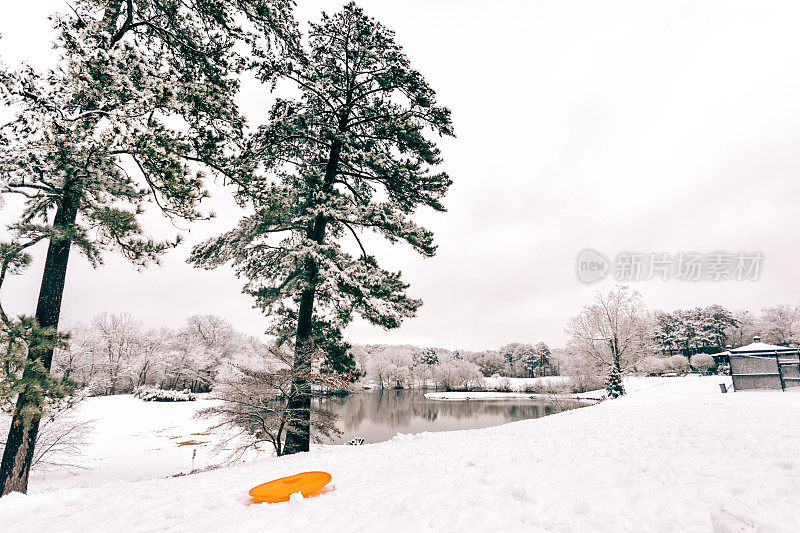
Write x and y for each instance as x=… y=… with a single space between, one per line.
x=279 y=490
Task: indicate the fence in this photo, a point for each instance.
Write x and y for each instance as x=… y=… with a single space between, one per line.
x=759 y=370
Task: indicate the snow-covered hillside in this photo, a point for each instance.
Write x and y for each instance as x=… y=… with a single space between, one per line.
x=675 y=455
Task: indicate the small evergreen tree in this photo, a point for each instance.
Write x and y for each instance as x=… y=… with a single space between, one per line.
x=614 y=386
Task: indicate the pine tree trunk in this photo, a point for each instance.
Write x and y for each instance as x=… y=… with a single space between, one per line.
x=298 y=432
x=18 y=454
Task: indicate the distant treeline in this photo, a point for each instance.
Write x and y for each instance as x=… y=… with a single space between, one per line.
x=406 y=365
x=714 y=328
x=115 y=353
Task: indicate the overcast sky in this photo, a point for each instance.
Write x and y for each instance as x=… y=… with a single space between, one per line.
x=646 y=126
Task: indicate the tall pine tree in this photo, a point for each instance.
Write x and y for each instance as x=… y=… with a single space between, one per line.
x=350 y=154
x=143 y=93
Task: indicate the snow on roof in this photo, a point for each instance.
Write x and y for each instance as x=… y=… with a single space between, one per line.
x=762 y=347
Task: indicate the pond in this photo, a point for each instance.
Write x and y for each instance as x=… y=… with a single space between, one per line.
x=378 y=416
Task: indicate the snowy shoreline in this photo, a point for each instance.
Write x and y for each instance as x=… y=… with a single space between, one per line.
x=593 y=396
x=505 y=388
x=633 y=384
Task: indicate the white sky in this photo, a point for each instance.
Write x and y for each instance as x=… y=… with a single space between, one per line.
x=652 y=126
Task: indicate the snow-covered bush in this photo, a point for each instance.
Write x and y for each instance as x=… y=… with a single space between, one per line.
x=391 y=367
x=159 y=395
x=653 y=365
x=458 y=374
x=546 y=387
x=702 y=362
x=678 y=363
x=584 y=383
x=490 y=363
x=502 y=384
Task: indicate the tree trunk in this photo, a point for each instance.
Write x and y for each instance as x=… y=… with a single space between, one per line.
x=18 y=454
x=298 y=432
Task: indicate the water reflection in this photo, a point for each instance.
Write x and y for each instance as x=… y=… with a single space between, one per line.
x=379 y=415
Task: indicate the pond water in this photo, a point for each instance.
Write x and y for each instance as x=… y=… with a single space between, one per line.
x=378 y=416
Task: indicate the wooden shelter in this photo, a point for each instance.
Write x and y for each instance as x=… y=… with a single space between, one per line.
x=764 y=366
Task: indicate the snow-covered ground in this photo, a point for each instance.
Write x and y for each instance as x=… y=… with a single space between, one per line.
x=674 y=455
x=130 y=440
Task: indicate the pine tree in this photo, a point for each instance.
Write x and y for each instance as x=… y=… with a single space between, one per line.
x=614 y=386
x=339 y=359
x=428 y=357
x=543 y=355
x=349 y=155
x=143 y=93
x=529 y=359
x=535 y=358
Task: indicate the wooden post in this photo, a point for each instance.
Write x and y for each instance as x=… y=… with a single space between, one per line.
x=780 y=372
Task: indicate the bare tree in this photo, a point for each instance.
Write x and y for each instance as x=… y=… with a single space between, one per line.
x=119 y=337
x=61 y=437
x=71 y=361
x=612 y=332
x=115 y=353
x=257 y=403
x=781 y=324
x=213 y=339
x=746 y=327
x=148 y=360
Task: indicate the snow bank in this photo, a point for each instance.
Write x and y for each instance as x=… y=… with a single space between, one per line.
x=674 y=455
